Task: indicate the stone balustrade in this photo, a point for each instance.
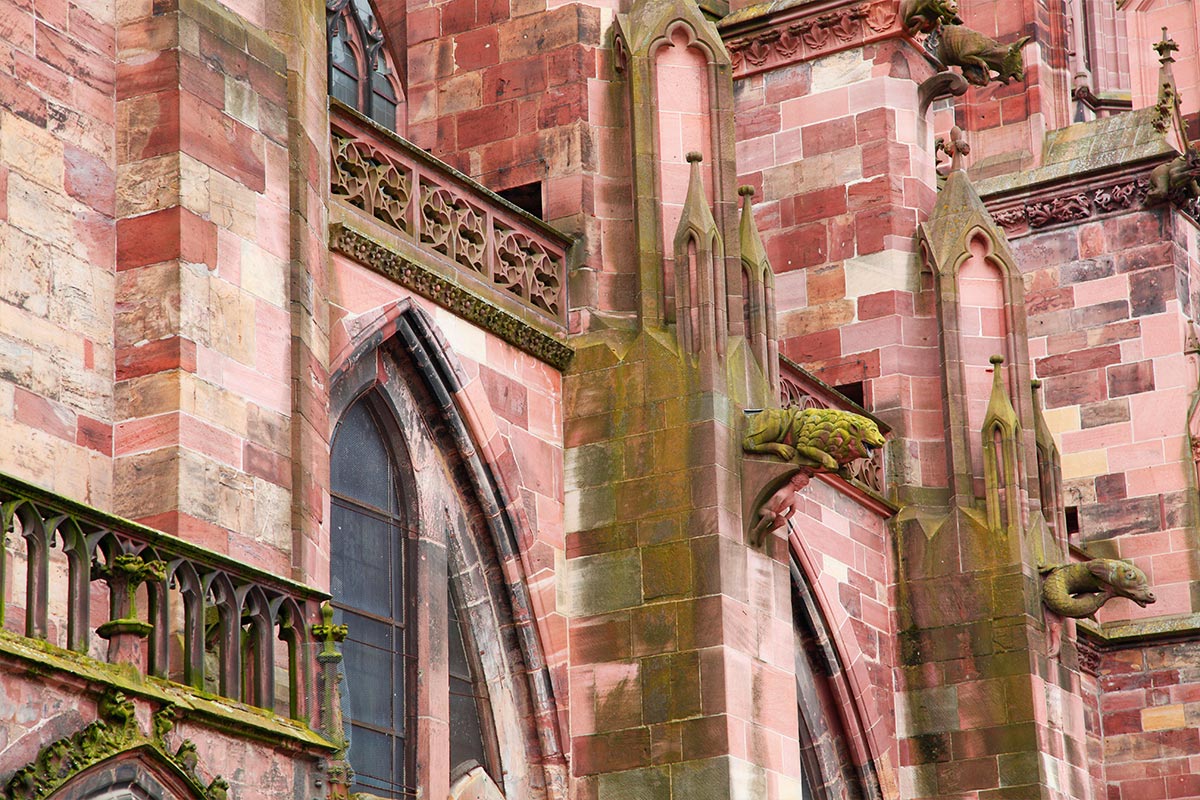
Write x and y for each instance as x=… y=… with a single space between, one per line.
x=798 y=387
x=496 y=247
x=242 y=624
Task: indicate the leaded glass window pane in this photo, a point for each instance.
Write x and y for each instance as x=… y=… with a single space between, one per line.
x=368 y=583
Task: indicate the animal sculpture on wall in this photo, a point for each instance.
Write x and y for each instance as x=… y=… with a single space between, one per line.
x=979 y=55
x=1079 y=590
x=926 y=16
x=822 y=439
x=1177 y=179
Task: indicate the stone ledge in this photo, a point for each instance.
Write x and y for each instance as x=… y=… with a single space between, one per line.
x=1131 y=633
x=408 y=272
x=41 y=659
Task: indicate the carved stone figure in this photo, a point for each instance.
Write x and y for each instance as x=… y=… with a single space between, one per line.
x=1178 y=179
x=925 y=16
x=1079 y=590
x=979 y=55
x=823 y=439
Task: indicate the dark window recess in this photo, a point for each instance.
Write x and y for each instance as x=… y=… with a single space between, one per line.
x=527 y=197
x=368 y=572
x=1072 y=520
x=466 y=698
x=854 y=392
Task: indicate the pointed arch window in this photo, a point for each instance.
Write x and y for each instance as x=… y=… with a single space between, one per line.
x=379 y=591
x=361 y=71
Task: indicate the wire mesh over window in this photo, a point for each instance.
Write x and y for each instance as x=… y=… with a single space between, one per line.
x=369 y=575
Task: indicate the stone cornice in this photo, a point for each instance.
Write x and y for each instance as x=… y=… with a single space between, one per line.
x=1047 y=205
x=772 y=35
x=411 y=274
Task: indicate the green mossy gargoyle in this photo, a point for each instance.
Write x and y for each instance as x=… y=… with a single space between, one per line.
x=1079 y=590
x=822 y=439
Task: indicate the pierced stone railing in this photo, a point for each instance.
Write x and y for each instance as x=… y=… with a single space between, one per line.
x=448 y=216
x=239 y=623
x=799 y=388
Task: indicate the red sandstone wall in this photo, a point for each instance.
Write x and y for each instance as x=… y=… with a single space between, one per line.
x=57 y=181
x=844 y=549
x=1147 y=722
x=1107 y=304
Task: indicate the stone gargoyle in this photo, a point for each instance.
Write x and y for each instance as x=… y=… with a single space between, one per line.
x=1178 y=179
x=926 y=16
x=812 y=440
x=979 y=55
x=1079 y=590
x=822 y=439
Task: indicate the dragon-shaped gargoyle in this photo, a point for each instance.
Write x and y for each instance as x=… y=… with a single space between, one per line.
x=822 y=439
x=979 y=55
x=1079 y=590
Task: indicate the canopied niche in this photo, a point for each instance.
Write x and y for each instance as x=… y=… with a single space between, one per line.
x=680 y=88
x=985 y=354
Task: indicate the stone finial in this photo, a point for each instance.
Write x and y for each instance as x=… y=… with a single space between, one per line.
x=328 y=634
x=1001 y=471
x=1165 y=47
x=700 y=300
x=957 y=148
x=760 y=305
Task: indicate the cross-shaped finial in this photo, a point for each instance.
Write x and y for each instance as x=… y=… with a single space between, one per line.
x=1165 y=48
x=956 y=148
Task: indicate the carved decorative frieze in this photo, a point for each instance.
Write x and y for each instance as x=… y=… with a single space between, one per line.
x=1072 y=207
x=1089 y=656
x=819 y=33
x=448 y=216
x=458 y=299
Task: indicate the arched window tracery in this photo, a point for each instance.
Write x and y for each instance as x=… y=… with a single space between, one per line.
x=362 y=73
x=381 y=593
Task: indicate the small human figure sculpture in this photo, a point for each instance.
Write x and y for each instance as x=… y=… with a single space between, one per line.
x=1079 y=590
x=779 y=507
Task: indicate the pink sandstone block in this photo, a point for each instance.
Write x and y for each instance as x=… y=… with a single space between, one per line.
x=44 y=415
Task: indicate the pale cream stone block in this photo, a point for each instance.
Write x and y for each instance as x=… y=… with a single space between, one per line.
x=84 y=296
x=272 y=515
x=151 y=184
x=232 y=321
x=1163 y=717
x=31 y=151
x=27 y=274
x=1089 y=462
x=839 y=69
x=194 y=191
x=881 y=272
x=264 y=275
x=1061 y=420
x=41 y=213
x=241 y=101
